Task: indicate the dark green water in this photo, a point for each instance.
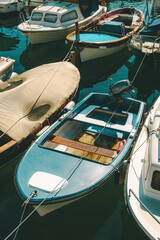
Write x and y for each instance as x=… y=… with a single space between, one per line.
x=103 y=214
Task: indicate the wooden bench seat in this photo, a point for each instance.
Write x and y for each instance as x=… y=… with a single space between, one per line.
x=107 y=19
x=83 y=146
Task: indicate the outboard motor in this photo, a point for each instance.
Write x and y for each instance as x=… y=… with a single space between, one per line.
x=120 y=88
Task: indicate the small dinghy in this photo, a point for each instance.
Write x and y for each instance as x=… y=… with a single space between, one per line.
x=148 y=40
x=52 y=21
x=6 y=68
x=79 y=152
x=32 y=101
x=106 y=34
x=142 y=190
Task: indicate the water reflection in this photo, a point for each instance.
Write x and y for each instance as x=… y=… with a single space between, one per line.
x=100 y=69
x=8 y=33
x=144 y=73
x=9 y=21
x=7 y=42
x=38 y=54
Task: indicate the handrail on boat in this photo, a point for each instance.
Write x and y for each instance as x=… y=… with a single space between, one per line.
x=22 y=17
x=130 y=190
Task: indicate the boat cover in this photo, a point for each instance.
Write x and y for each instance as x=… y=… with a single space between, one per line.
x=38 y=94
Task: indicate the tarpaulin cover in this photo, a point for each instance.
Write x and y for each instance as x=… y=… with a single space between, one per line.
x=39 y=92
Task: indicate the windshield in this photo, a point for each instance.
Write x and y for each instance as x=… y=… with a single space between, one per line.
x=36 y=16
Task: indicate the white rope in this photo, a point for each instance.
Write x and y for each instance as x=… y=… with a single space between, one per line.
x=138 y=68
x=20 y=221
x=68 y=175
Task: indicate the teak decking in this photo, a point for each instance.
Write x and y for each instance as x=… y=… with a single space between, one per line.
x=82 y=145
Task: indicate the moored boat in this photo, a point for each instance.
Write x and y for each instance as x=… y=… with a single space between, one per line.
x=148 y=40
x=34 y=3
x=52 y=21
x=107 y=34
x=8 y=6
x=142 y=188
x=30 y=102
x=6 y=68
x=79 y=152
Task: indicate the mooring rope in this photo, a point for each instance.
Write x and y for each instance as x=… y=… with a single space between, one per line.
x=67 y=177
x=138 y=68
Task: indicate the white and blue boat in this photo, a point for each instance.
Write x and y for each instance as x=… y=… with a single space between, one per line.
x=107 y=34
x=53 y=20
x=79 y=152
x=142 y=184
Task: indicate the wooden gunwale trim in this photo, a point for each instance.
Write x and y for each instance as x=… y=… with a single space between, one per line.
x=7 y=145
x=83 y=146
x=108 y=43
x=11 y=63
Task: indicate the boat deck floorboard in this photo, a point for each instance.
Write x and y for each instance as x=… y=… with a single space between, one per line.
x=86 y=144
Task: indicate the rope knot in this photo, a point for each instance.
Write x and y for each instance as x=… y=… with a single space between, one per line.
x=33 y=194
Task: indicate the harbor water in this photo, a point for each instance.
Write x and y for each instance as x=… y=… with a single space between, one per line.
x=103 y=214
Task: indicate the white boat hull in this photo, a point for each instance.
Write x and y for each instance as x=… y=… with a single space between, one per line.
x=144 y=209
x=87 y=54
x=48 y=208
x=6 y=68
x=39 y=34
x=47 y=36
x=11 y=6
x=146 y=47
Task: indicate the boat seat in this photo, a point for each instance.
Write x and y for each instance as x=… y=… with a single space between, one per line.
x=126 y=128
x=83 y=146
x=110 y=18
x=125 y=16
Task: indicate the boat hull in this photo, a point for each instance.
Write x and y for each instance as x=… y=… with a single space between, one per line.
x=47 y=36
x=106 y=35
x=87 y=54
x=142 y=207
x=6 y=68
x=146 y=45
x=71 y=175
x=38 y=34
x=12 y=6
x=16 y=145
x=48 y=208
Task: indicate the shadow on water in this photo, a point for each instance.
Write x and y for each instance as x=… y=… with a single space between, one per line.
x=9 y=21
x=80 y=220
x=144 y=72
x=38 y=54
x=91 y=218
x=100 y=69
x=9 y=41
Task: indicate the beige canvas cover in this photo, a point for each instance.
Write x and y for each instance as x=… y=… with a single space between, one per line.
x=39 y=92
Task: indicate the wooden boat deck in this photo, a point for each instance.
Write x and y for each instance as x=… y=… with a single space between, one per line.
x=86 y=144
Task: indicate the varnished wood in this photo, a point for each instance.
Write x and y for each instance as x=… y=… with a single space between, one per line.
x=7 y=146
x=84 y=147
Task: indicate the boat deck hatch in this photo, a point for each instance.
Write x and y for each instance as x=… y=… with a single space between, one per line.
x=46 y=182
